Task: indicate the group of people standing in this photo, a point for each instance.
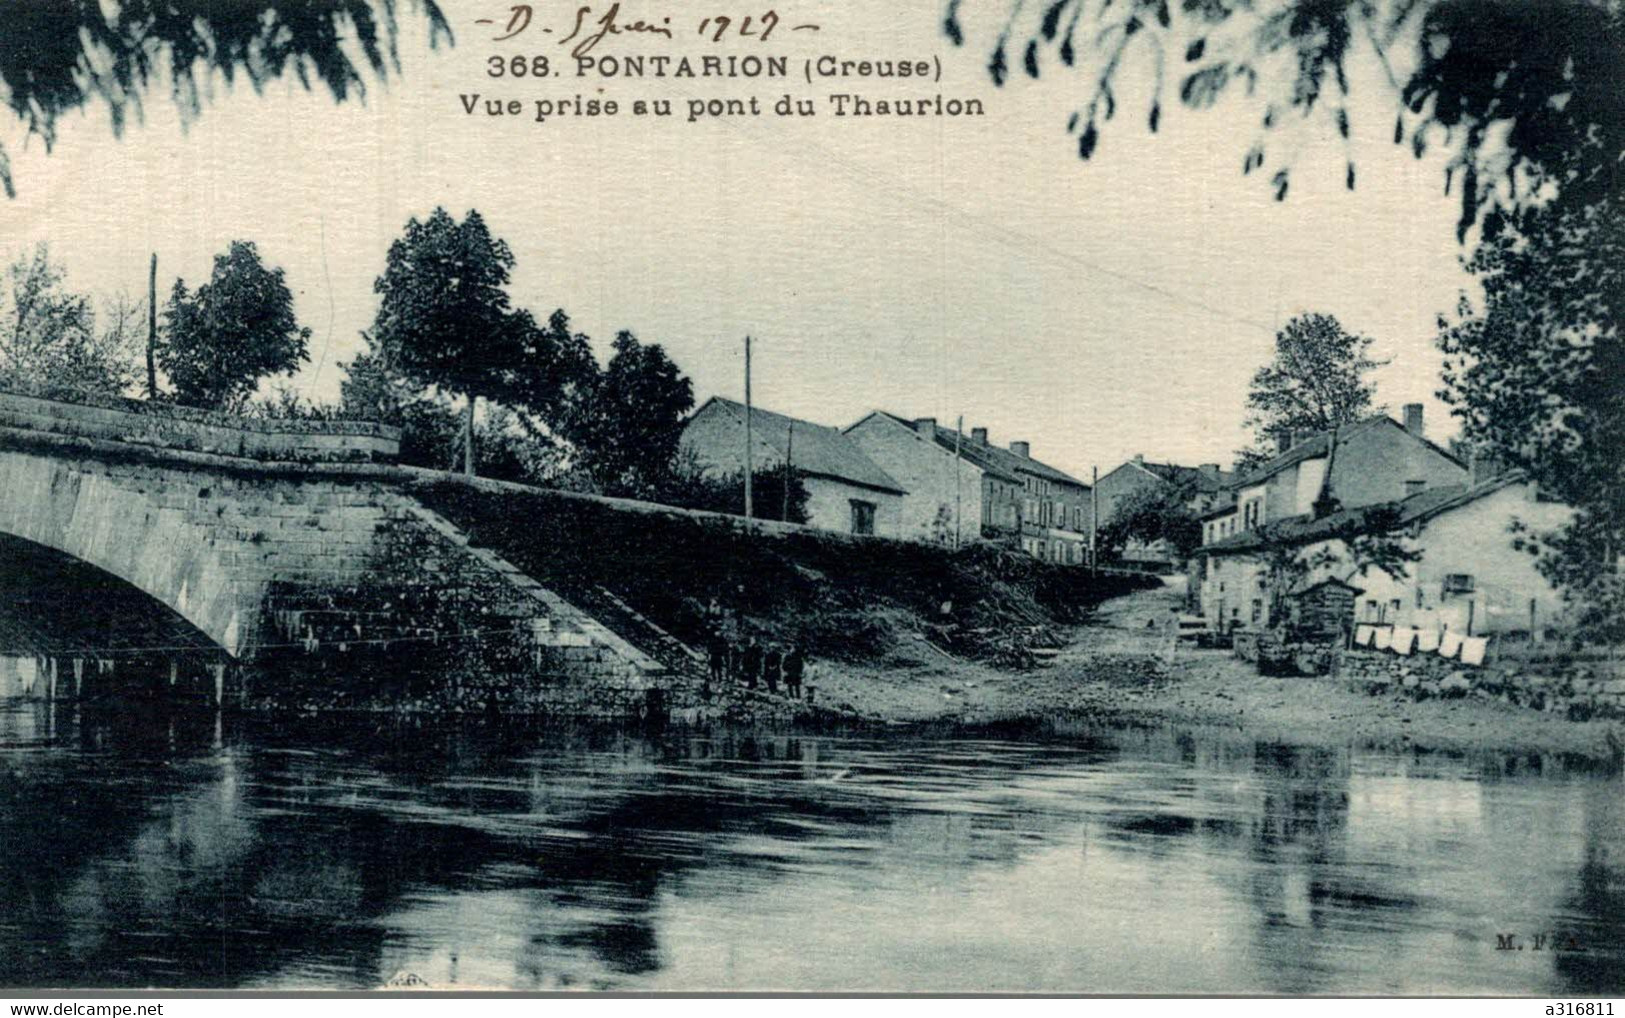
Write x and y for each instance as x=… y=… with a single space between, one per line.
x=753 y=664
x=749 y=662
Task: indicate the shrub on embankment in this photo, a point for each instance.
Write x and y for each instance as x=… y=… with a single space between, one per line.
x=835 y=595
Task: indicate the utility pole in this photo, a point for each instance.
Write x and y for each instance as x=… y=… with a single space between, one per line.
x=1094 y=514
x=747 y=433
x=152 y=328
x=959 y=431
x=789 y=461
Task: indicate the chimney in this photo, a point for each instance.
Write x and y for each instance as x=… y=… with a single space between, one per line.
x=1022 y=449
x=926 y=426
x=1139 y=457
x=1413 y=419
x=1285 y=438
x=978 y=435
x=1209 y=469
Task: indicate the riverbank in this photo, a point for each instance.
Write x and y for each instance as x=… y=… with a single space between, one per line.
x=1117 y=670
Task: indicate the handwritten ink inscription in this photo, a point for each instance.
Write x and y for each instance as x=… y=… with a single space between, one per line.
x=587 y=28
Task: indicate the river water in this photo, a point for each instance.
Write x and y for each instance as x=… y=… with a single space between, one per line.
x=148 y=848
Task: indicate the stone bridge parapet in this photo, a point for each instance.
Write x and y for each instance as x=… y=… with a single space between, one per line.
x=165 y=426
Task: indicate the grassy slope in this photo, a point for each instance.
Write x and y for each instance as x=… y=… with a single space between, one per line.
x=840 y=598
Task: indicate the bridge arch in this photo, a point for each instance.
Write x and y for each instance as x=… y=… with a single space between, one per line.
x=140 y=525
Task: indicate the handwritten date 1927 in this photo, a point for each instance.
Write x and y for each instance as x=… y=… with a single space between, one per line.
x=588 y=29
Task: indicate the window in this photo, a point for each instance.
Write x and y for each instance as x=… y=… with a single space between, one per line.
x=863 y=517
x=1258 y=610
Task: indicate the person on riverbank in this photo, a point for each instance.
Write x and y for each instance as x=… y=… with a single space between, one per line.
x=716 y=649
x=795 y=665
x=772 y=660
x=750 y=662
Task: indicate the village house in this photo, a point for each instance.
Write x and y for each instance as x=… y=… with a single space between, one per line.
x=1372 y=462
x=1368 y=462
x=846 y=490
x=963 y=487
x=1205 y=487
x=1469 y=579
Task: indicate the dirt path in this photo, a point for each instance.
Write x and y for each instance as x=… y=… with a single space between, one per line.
x=1118 y=668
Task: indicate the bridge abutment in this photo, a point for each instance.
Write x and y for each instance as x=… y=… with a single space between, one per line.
x=275 y=560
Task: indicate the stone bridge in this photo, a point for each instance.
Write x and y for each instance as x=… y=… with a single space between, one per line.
x=213 y=516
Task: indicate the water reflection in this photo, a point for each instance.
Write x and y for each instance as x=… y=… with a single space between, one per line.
x=174 y=849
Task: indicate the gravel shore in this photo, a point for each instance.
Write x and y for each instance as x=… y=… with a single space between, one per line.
x=1116 y=669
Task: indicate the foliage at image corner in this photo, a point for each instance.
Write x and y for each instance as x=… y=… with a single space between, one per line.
x=1536 y=373
x=1523 y=95
x=61 y=57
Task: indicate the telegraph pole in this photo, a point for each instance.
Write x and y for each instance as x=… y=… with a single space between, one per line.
x=959 y=431
x=152 y=328
x=789 y=463
x=1094 y=514
x=747 y=432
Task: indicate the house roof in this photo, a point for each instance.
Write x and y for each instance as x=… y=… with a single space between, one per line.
x=1225 y=506
x=1319 y=445
x=1330 y=581
x=818 y=450
x=1417 y=508
x=1001 y=462
x=1200 y=481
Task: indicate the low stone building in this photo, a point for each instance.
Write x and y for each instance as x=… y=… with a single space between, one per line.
x=1000 y=494
x=1322 y=611
x=846 y=490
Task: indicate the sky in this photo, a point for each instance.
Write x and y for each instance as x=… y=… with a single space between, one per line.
x=940 y=267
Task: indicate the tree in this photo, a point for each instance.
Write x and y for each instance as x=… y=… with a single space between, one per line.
x=1534 y=375
x=50 y=339
x=781 y=491
x=59 y=57
x=1523 y=95
x=235 y=330
x=628 y=420
x=1315 y=382
x=1354 y=545
x=446 y=321
x=1151 y=514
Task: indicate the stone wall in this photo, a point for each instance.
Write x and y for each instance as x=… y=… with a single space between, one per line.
x=437 y=625
x=1578 y=691
x=165 y=426
x=829 y=506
